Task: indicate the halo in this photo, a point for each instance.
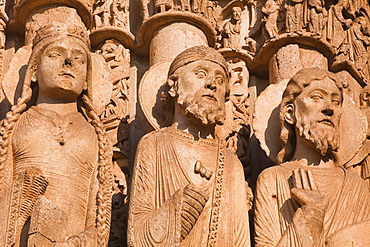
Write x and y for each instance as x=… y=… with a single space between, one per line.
x=266 y=125
x=150 y=89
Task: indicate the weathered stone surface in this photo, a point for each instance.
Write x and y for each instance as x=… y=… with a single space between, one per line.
x=127 y=80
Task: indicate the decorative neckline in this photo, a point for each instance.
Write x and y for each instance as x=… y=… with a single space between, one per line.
x=60 y=123
x=189 y=137
x=293 y=165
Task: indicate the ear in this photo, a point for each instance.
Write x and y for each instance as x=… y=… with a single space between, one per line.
x=365 y=96
x=33 y=78
x=289 y=114
x=173 y=87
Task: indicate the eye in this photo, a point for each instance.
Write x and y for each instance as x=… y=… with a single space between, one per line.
x=336 y=102
x=201 y=74
x=219 y=80
x=54 y=54
x=316 y=97
x=79 y=60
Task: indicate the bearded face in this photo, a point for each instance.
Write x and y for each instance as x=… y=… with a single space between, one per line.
x=207 y=111
x=317 y=113
x=201 y=92
x=324 y=138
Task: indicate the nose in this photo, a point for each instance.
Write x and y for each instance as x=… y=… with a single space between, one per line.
x=211 y=84
x=68 y=62
x=328 y=110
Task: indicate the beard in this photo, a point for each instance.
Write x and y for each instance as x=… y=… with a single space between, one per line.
x=207 y=111
x=324 y=138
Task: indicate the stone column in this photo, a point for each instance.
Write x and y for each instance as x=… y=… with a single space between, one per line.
x=291 y=58
x=170 y=40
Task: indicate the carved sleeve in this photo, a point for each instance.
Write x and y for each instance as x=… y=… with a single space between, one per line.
x=150 y=222
x=277 y=223
x=92 y=204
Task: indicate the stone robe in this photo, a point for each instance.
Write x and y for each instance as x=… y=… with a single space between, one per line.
x=164 y=165
x=68 y=206
x=348 y=195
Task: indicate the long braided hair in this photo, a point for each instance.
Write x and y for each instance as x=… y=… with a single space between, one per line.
x=48 y=35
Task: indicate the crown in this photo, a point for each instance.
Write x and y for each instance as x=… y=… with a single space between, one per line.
x=53 y=30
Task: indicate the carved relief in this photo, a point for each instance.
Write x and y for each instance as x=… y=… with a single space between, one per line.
x=68 y=172
x=230 y=34
x=115 y=120
x=302 y=191
x=184 y=194
x=271 y=10
x=237 y=140
x=111 y=13
x=61 y=165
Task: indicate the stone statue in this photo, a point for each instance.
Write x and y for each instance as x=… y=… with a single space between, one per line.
x=120 y=12
x=271 y=11
x=316 y=15
x=213 y=12
x=101 y=13
x=163 y=5
x=187 y=188
x=294 y=15
x=307 y=200
x=230 y=34
x=56 y=178
x=357 y=43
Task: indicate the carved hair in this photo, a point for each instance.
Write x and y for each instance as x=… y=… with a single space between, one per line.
x=188 y=56
x=104 y=156
x=300 y=80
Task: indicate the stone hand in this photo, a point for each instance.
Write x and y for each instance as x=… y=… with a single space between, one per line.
x=194 y=200
x=313 y=204
x=305 y=191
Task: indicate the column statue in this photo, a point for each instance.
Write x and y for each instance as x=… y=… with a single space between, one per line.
x=187 y=188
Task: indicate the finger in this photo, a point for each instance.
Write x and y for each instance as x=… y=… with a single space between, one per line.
x=312 y=181
x=304 y=177
x=297 y=179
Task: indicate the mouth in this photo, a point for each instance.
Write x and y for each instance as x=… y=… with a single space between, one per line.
x=209 y=96
x=66 y=75
x=326 y=122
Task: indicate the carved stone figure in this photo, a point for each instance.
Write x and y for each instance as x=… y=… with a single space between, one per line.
x=297 y=202
x=120 y=12
x=187 y=188
x=237 y=140
x=56 y=178
x=101 y=13
x=271 y=10
x=316 y=15
x=230 y=34
x=294 y=15
x=334 y=30
x=163 y=5
x=213 y=12
x=357 y=43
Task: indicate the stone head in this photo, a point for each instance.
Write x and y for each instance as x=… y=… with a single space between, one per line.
x=198 y=81
x=60 y=62
x=311 y=109
x=237 y=11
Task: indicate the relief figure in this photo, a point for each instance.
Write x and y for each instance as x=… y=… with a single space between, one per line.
x=230 y=34
x=307 y=200
x=188 y=189
x=55 y=186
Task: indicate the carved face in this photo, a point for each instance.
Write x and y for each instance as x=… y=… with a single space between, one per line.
x=317 y=112
x=201 y=91
x=237 y=13
x=61 y=72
